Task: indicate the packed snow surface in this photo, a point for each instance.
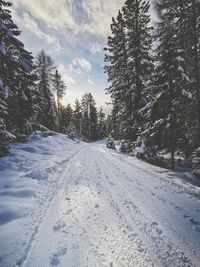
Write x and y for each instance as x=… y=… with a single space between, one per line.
x=70 y=204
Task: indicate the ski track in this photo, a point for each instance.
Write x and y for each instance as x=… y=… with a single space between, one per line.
x=108 y=212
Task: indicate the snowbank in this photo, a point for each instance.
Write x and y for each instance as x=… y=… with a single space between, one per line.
x=29 y=179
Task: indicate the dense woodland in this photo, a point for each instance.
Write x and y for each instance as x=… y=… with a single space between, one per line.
x=31 y=93
x=154 y=75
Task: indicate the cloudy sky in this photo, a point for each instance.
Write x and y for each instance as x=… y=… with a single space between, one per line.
x=74 y=33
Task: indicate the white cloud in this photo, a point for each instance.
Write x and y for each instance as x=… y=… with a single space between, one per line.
x=55 y=15
x=90 y=81
x=28 y=23
x=66 y=73
x=95 y=48
x=69 y=80
x=82 y=63
x=63 y=14
x=100 y=13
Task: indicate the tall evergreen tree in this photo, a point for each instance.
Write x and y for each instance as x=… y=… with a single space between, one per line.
x=89 y=117
x=130 y=65
x=45 y=108
x=170 y=90
x=77 y=118
x=60 y=88
x=190 y=11
x=109 y=125
x=140 y=65
x=15 y=76
x=116 y=59
x=101 y=124
x=66 y=118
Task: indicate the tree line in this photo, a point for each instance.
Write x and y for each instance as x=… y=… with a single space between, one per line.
x=83 y=120
x=154 y=74
x=31 y=92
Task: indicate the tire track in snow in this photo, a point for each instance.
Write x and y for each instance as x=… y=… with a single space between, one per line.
x=169 y=199
x=148 y=227
x=150 y=170
x=138 y=254
x=101 y=227
x=28 y=248
x=57 y=243
x=162 y=194
x=83 y=244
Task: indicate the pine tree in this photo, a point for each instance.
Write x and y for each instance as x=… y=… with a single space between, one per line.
x=109 y=125
x=85 y=117
x=140 y=64
x=77 y=118
x=93 y=134
x=170 y=91
x=4 y=134
x=191 y=20
x=16 y=77
x=66 y=118
x=89 y=117
x=130 y=65
x=60 y=88
x=101 y=124
x=44 y=104
x=116 y=59
x=21 y=105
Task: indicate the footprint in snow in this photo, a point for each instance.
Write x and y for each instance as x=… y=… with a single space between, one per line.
x=159 y=231
x=154 y=223
x=59 y=226
x=195 y=224
x=55 y=258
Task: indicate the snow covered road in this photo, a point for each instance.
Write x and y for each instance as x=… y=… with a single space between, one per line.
x=115 y=211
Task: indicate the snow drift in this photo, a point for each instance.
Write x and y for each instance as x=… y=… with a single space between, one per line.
x=29 y=179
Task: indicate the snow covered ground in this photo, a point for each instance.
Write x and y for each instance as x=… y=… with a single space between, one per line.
x=77 y=205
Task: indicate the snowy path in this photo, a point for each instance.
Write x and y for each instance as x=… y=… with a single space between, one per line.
x=113 y=212
x=110 y=210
